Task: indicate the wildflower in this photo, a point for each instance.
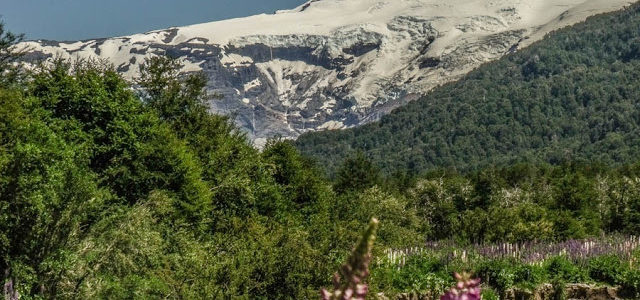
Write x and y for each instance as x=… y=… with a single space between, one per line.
x=465 y=289
x=355 y=270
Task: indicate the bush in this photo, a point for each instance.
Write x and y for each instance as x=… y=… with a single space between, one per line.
x=500 y=274
x=561 y=268
x=630 y=281
x=529 y=276
x=489 y=294
x=608 y=269
x=422 y=274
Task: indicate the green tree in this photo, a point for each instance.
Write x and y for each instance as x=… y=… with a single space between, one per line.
x=47 y=195
x=178 y=99
x=9 y=55
x=302 y=180
x=127 y=145
x=357 y=173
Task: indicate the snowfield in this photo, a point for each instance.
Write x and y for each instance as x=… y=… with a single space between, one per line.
x=331 y=64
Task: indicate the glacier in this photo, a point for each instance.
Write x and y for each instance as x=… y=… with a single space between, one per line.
x=331 y=64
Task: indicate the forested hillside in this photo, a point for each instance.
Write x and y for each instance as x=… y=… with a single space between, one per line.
x=573 y=96
x=111 y=192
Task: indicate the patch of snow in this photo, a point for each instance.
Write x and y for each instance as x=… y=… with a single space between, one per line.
x=235 y=60
x=363 y=53
x=331 y=125
x=189 y=66
x=251 y=84
x=73 y=46
x=329 y=104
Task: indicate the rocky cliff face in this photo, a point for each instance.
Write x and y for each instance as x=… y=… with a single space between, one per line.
x=336 y=63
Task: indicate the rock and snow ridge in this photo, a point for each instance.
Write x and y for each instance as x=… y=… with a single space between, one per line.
x=331 y=64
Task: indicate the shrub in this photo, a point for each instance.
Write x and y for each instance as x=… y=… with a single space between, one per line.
x=561 y=268
x=630 y=281
x=529 y=276
x=497 y=273
x=608 y=269
x=422 y=274
x=489 y=294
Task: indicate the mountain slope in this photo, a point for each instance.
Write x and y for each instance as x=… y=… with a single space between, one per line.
x=574 y=95
x=335 y=63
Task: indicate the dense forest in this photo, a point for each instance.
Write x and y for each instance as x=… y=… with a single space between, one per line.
x=120 y=190
x=572 y=96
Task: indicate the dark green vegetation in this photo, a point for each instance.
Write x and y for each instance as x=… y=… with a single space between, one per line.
x=8 y=55
x=525 y=202
x=105 y=193
x=572 y=96
x=432 y=272
x=109 y=193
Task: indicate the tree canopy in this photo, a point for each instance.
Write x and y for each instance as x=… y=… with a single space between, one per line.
x=571 y=96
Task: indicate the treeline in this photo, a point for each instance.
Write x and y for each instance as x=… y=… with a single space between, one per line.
x=518 y=203
x=570 y=97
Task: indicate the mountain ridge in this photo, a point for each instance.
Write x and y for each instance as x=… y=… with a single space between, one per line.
x=335 y=64
x=570 y=97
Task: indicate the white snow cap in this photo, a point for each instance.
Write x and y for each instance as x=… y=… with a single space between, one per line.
x=338 y=63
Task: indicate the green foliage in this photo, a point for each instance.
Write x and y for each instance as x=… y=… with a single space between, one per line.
x=631 y=282
x=128 y=147
x=179 y=101
x=430 y=273
x=561 y=268
x=399 y=224
x=529 y=276
x=549 y=203
x=47 y=194
x=559 y=291
x=489 y=294
x=500 y=274
x=104 y=198
x=571 y=96
x=105 y=193
x=419 y=274
x=9 y=55
x=608 y=268
x=348 y=282
x=357 y=173
x=301 y=179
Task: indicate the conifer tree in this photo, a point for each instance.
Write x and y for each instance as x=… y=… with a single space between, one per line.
x=8 y=55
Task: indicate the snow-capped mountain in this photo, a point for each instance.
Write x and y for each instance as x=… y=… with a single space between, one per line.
x=337 y=63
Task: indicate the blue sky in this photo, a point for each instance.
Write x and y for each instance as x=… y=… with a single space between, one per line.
x=85 y=19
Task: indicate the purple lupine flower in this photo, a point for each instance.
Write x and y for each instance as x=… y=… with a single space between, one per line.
x=355 y=270
x=465 y=289
x=9 y=291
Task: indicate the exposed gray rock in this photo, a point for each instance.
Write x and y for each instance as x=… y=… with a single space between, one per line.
x=334 y=64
